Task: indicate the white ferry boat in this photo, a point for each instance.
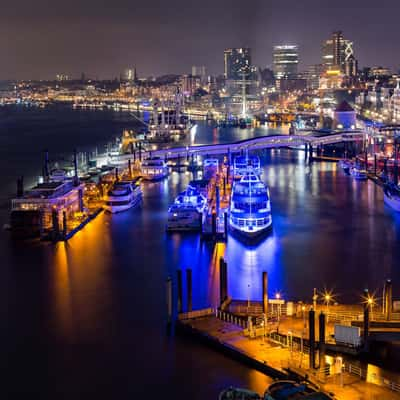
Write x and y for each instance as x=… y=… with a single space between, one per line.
x=359 y=174
x=123 y=196
x=153 y=169
x=242 y=163
x=391 y=196
x=250 y=207
x=187 y=211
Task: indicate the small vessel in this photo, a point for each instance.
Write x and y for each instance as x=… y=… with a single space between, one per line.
x=188 y=211
x=291 y=390
x=154 y=168
x=359 y=174
x=345 y=165
x=250 y=207
x=391 y=196
x=232 y=393
x=210 y=168
x=242 y=163
x=123 y=196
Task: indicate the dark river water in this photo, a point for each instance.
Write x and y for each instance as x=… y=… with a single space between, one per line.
x=87 y=318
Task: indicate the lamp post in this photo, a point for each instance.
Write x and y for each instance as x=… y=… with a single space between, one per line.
x=327 y=299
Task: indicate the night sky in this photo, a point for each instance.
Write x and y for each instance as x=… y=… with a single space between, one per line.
x=101 y=37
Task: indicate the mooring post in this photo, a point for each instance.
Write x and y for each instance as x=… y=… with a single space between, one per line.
x=221 y=280
x=116 y=174
x=366 y=319
x=226 y=224
x=64 y=224
x=214 y=224
x=388 y=299
x=189 y=289
x=265 y=292
x=56 y=227
x=179 y=282
x=322 y=346
x=225 y=280
x=375 y=164
x=311 y=323
x=130 y=168
x=217 y=199
x=169 y=299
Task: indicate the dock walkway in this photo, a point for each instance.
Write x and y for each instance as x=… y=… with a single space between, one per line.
x=277 y=360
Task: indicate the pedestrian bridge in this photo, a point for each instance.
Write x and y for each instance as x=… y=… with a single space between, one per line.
x=258 y=143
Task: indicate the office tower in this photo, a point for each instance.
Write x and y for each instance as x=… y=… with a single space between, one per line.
x=286 y=60
x=351 y=67
x=199 y=71
x=313 y=76
x=130 y=75
x=337 y=52
x=237 y=63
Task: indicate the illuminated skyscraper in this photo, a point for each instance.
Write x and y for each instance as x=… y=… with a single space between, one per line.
x=130 y=74
x=337 y=52
x=286 y=61
x=237 y=63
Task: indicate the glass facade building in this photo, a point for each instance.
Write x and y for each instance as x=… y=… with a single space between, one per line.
x=286 y=60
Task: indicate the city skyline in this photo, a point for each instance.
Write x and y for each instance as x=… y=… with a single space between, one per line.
x=103 y=41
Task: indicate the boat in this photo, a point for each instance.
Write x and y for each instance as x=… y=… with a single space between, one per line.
x=232 y=393
x=250 y=207
x=391 y=196
x=154 y=168
x=359 y=174
x=241 y=164
x=291 y=390
x=122 y=196
x=188 y=211
x=345 y=165
x=210 y=168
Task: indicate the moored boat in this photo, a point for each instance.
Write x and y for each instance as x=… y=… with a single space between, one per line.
x=359 y=174
x=122 y=196
x=291 y=390
x=153 y=169
x=250 y=207
x=232 y=393
x=188 y=211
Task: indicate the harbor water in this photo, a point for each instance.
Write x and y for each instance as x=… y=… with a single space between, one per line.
x=88 y=317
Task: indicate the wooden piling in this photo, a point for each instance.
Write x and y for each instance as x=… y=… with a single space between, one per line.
x=322 y=347
x=265 y=292
x=189 y=289
x=179 y=283
x=169 y=299
x=311 y=324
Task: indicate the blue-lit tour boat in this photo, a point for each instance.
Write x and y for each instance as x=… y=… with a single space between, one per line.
x=187 y=211
x=250 y=207
x=359 y=174
x=391 y=196
x=122 y=196
x=242 y=163
x=153 y=169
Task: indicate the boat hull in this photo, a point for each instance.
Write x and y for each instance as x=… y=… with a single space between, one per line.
x=115 y=209
x=250 y=235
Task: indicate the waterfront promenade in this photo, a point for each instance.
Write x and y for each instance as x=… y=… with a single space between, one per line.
x=279 y=361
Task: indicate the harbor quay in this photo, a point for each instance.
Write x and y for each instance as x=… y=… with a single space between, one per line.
x=324 y=343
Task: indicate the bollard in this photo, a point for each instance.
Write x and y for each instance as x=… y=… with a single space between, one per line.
x=169 y=299
x=322 y=346
x=265 y=292
x=189 y=289
x=311 y=317
x=179 y=279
